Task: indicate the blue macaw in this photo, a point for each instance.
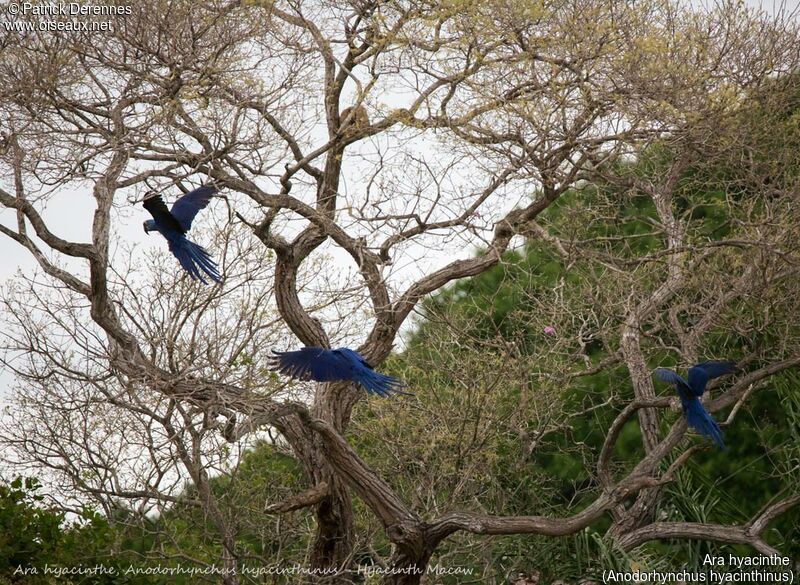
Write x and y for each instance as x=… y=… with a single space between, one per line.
x=328 y=365
x=690 y=392
x=174 y=224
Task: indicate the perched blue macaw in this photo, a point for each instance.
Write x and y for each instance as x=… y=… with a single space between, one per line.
x=328 y=365
x=174 y=224
x=690 y=392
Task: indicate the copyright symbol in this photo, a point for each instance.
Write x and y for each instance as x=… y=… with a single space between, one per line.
x=13 y=9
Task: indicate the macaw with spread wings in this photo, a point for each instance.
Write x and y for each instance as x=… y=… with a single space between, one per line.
x=175 y=223
x=328 y=365
x=690 y=392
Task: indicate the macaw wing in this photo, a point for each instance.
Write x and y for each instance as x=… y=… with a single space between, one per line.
x=166 y=223
x=185 y=208
x=700 y=374
x=310 y=363
x=671 y=377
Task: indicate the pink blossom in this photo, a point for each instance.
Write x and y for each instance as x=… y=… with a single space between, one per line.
x=549 y=330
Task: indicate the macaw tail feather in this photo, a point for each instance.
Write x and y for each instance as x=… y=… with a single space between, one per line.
x=698 y=418
x=194 y=258
x=381 y=384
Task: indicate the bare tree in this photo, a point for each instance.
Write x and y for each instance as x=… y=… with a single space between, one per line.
x=377 y=131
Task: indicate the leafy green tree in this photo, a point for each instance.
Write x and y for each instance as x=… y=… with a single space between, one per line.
x=37 y=541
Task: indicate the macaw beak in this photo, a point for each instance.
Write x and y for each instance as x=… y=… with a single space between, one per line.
x=144 y=225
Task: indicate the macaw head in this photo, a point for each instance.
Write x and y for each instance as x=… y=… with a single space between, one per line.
x=150 y=224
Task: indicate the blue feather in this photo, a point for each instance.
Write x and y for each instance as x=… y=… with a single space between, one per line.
x=328 y=365
x=689 y=392
x=191 y=256
x=174 y=224
x=673 y=378
x=700 y=374
x=698 y=418
x=185 y=208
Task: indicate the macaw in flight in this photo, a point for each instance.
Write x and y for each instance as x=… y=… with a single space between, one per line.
x=690 y=392
x=328 y=365
x=173 y=225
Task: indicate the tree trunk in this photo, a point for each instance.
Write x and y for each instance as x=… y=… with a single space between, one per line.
x=414 y=545
x=333 y=541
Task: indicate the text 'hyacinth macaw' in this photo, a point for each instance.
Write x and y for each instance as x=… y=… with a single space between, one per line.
x=690 y=392
x=173 y=225
x=329 y=365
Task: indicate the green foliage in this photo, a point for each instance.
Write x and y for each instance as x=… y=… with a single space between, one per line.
x=37 y=543
x=181 y=539
x=28 y=534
